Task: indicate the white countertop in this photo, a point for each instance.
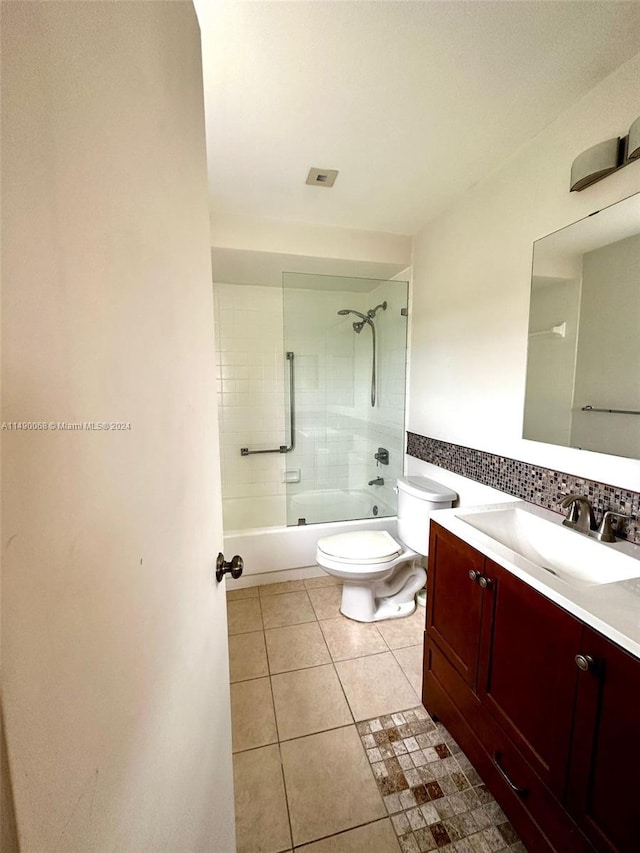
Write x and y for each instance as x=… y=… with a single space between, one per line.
x=613 y=609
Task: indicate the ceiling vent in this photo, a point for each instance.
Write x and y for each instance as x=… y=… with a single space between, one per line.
x=322 y=177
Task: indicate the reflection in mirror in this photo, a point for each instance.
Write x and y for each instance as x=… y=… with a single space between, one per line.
x=583 y=365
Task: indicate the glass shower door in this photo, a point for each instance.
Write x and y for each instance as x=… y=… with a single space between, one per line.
x=345 y=340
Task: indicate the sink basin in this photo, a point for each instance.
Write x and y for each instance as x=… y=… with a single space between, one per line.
x=574 y=557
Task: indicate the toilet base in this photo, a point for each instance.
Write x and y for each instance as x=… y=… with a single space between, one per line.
x=391 y=598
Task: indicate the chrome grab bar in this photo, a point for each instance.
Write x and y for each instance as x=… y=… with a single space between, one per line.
x=611 y=411
x=284 y=448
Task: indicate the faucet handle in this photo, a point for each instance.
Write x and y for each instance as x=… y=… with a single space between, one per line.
x=605 y=532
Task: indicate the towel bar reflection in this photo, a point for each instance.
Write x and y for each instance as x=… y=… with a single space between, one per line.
x=611 y=411
x=284 y=448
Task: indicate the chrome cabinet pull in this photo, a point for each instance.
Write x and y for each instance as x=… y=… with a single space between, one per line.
x=485 y=583
x=473 y=575
x=521 y=792
x=585 y=663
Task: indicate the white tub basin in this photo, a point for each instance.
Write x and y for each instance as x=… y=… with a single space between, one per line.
x=574 y=557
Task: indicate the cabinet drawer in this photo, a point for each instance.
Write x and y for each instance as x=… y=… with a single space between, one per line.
x=518 y=779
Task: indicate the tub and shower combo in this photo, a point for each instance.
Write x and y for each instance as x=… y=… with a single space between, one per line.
x=311 y=400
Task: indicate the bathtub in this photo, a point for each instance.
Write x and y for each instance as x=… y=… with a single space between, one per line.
x=276 y=553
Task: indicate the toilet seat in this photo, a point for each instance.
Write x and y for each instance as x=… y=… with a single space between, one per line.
x=361 y=547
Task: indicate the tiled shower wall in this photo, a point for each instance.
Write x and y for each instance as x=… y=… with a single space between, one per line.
x=337 y=430
x=385 y=424
x=329 y=364
x=251 y=401
x=533 y=483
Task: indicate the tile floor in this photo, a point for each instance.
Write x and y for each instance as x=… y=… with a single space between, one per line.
x=333 y=752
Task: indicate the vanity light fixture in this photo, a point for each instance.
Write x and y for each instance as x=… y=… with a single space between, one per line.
x=321 y=177
x=606 y=157
x=633 y=143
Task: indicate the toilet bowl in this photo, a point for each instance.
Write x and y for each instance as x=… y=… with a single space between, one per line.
x=381 y=575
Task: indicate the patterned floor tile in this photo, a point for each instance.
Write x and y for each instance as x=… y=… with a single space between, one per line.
x=433 y=795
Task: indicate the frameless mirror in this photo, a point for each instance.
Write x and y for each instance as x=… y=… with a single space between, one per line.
x=583 y=364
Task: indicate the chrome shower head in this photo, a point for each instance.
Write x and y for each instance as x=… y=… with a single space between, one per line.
x=344 y=311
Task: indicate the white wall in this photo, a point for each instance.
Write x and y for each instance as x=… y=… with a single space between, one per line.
x=472 y=269
x=316 y=241
x=115 y=672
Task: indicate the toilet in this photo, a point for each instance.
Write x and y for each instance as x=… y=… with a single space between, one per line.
x=381 y=575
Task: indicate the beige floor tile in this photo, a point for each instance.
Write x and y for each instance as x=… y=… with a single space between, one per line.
x=247 y=656
x=378 y=837
x=408 y=631
x=262 y=825
x=330 y=786
x=290 y=608
x=245 y=592
x=277 y=588
x=410 y=660
x=244 y=616
x=326 y=601
x=253 y=721
x=324 y=580
x=347 y=639
x=309 y=700
x=375 y=685
x=296 y=647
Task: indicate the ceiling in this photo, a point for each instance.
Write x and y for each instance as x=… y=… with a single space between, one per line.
x=413 y=102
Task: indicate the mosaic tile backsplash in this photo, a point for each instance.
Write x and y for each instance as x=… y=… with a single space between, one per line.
x=541 y=486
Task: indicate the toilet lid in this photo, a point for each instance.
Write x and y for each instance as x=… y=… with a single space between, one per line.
x=361 y=546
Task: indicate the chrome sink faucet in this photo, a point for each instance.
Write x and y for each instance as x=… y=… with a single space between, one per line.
x=581 y=517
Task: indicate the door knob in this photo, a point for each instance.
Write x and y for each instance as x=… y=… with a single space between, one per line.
x=485 y=583
x=234 y=568
x=473 y=575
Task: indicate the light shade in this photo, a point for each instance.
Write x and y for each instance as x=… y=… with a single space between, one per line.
x=633 y=143
x=595 y=163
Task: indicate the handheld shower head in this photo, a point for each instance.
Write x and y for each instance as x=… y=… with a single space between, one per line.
x=344 y=311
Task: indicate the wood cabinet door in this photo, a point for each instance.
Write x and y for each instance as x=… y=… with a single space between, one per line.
x=454 y=600
x=527 y=676
x=603 y=794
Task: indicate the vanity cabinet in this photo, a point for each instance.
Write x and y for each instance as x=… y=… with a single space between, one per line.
x=556 y=745
x=603 y=791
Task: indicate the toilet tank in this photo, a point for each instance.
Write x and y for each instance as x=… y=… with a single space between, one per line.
x=418 y=497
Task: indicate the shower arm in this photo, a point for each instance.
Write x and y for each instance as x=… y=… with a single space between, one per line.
x=284 y=448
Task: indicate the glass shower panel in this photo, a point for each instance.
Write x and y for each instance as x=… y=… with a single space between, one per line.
x=349 y=395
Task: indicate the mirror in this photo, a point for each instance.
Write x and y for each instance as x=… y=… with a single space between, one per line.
x=583 y=364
